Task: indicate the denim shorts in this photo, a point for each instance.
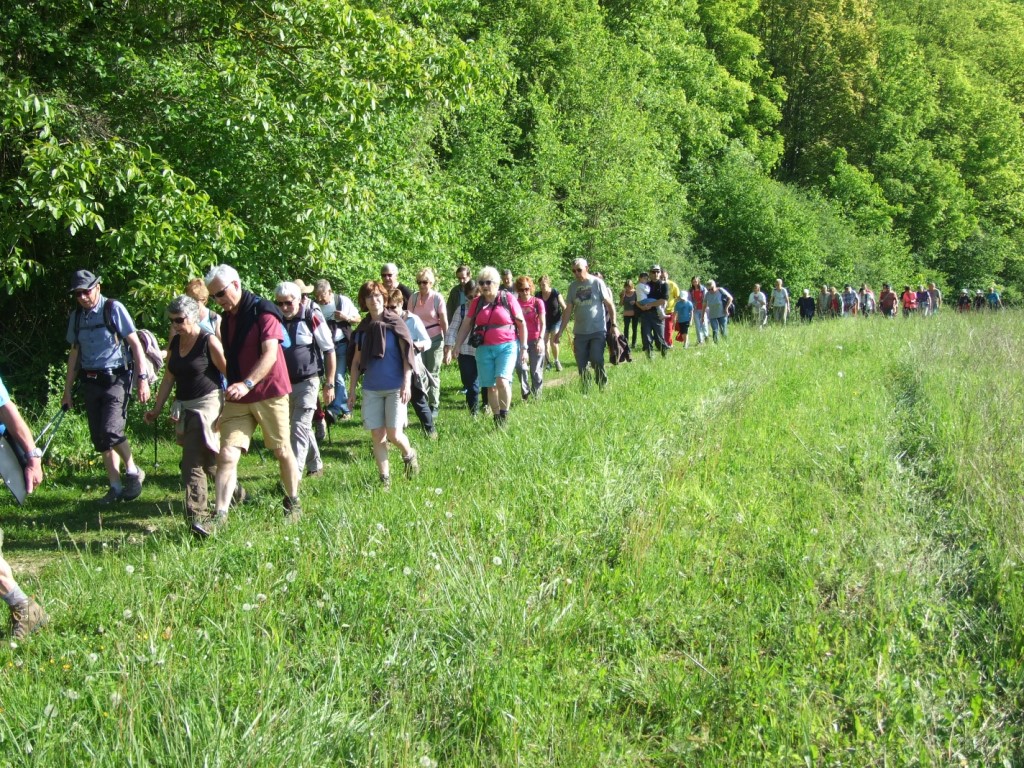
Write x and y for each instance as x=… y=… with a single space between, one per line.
x=495 y=361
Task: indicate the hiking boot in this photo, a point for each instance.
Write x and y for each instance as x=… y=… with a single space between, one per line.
x=385 y=482
x=558 y=365
x=432 y=434
x=318 y=472
x=133 y=486
x=292 y=509
x=112 y=496
x=26 y=618
x=500 y=420
x=331 y=418
x=345 y=416
x=412 y=464
x=319 y=430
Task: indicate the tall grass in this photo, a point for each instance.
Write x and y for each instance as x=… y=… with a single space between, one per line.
x=798 y=547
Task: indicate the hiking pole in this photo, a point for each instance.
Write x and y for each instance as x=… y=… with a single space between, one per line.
x=51 y=428
x=156 y=432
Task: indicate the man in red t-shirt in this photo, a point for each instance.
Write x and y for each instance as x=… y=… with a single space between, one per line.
x=258 y=388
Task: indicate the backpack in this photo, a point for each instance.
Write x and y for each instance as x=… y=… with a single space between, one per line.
x=291 y=331
x=152 y=352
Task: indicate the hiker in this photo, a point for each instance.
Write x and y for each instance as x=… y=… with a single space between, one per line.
x=805 y=306
x=718 y=300
x=851 y=301
x=389 y=281
x=887 y=301
x=995 y=301
x=384 y=358
x=195 y=364
x=554 y=306
x=683 y=312
x=780 y=303
x=26 y=614
x=909 y=301
x=341 y=315
x=590 y=306
x=106 y=354
x=629 y=319
x=758 y=304
x=700 y=313
x=672 y=298
x=257 y=388
x=429 y=306
x=825 y=302
x=924 y=301
x=531 y=379
x=209 y=320
x=867 y=300
x=456 y=296
x=309 y=356
x=466 y=353
x=494 y=324
x=936 y=298
x=418 y=382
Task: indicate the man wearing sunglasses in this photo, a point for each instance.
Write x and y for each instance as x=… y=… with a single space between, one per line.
x=389 y=279
x=105 y=349
x=590 y=306
x=258 y=388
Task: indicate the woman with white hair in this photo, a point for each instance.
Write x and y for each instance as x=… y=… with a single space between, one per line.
x=494 y=324
x=429 y=306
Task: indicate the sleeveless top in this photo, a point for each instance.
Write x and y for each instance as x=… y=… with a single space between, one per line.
x=195 y=375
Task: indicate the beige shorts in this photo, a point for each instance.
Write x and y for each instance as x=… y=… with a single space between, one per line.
x=238 y=421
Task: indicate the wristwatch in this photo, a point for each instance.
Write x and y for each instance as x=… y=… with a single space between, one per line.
x=249 y=383
x=35 y=453
x=143 y=377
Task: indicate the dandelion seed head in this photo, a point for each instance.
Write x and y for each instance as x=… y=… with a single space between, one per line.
x=407 y=571
x=129 y=569
x=496 y=560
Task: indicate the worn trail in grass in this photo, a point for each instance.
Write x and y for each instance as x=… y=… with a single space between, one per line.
x=794 y=548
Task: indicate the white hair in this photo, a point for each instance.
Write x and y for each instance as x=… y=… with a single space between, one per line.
x=390 y=267
x=489 y=273
x=289 y=289
x=223 y=272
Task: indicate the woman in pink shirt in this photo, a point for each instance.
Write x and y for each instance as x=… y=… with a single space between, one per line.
x=531 y=379
x=429 y=306
x=494 y=325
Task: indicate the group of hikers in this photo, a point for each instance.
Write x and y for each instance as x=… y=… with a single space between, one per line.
x=293 y=365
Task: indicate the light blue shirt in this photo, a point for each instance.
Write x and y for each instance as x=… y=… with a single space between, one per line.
x=99 y=348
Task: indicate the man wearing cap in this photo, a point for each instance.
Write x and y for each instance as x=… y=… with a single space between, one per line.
x=258 y=388
x=651 y=313
x=98 y=331
x=389 y=279
x=26 y=614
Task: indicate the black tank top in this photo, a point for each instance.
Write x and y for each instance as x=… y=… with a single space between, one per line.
x=195 y=374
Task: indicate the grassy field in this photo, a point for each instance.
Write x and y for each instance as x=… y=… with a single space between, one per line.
x=801 y=547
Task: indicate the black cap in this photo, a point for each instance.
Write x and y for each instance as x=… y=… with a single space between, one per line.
x=82 y=280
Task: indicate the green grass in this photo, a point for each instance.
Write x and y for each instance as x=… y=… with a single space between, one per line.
x=802 y=547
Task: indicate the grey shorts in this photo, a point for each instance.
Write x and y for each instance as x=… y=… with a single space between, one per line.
x=383 y=408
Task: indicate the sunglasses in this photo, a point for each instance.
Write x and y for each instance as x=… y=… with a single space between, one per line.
x=485 y=282
x=81 y=293
x=286 y=303
x=576 y=270
x=423 y=282
x=386 y=274
x=220 y=294
x=177 y=320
